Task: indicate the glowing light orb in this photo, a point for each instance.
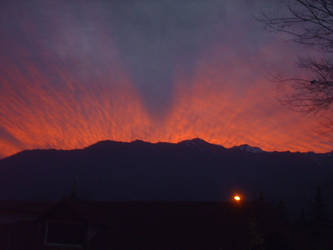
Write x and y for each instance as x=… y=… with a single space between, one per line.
x=237 y=198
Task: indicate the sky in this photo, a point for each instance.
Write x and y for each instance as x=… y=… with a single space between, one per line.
x=73 y=73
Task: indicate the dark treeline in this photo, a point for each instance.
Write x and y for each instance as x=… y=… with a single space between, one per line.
x=272 y=226
x=73 y=223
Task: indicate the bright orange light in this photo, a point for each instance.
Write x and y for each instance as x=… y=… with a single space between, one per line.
x=237 y=198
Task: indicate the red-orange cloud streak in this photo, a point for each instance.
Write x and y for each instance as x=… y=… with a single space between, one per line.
x=36 y=114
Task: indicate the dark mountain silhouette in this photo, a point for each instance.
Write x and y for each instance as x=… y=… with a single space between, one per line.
x=192 y=170
x=248 y=148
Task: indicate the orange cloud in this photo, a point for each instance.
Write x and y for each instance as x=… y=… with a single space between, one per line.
x=38 y=114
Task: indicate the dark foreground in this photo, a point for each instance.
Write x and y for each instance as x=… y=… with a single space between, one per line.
x=75 y=224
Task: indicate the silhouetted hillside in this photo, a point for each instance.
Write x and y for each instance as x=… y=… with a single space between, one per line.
x=192 y=170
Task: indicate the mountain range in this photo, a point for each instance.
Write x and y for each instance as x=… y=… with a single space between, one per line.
x=191 y=170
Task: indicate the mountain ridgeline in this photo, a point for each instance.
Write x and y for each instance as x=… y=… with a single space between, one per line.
x=192 y=170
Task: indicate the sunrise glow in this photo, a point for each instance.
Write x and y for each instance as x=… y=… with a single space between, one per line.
x=80 y=86
x=73 y=116
x=174 y=116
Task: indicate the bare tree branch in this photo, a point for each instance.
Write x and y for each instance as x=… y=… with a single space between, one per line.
x=309 y=23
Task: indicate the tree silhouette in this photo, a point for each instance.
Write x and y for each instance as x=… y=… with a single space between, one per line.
x=319 y=211
x=256 y=237
x=320 y=228
x=301 y=221
x=309 y=23
x=283 y=212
